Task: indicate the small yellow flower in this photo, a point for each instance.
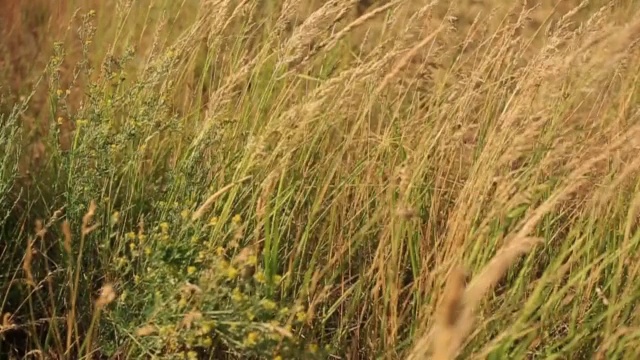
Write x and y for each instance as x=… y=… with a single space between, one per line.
x=59 y=92
x=277 y=357
x=191 y=270
x=201 y=256
x=276 y=336
x=277 y=279
x=132 y=246
x=165 y=330
x=232 y=272
x=164 y=227
x=213 y=221
x=223 y=265
x=220 y=251
x=147 y=251
x=192 y=355
x=182 y=303
x=205 y=329
x=301 y=316
x=115 y=218
x=268 y=304
x=250 y=315
x=195 y=240
x=252 y=338
x=142 y=237
x=283 y=311
x=259 y=277
x=237 y=219
x=190 y=340
x=206 y=342
x=131 y=235
x=184 y=214
x=236 y=295
x=313 y=348
x=60 y=121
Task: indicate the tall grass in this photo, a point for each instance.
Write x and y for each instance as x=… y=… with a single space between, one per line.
x=239 y=179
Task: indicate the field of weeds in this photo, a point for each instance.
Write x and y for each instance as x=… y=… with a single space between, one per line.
x=341 y=179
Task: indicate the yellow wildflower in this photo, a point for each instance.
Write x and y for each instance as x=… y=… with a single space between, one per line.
x=191 y=270
x=207 y=342
x=115 y=217
x=182 y=303
x=223 y=265
x=190 y=340
x=283 y=311
x=220 y=251
x=301 y=316
x=213 y=221
x=259 y=277
x=232 y=272
x=268 y=304
x=313 y=348
x=236 y=295
x=184 y=214
x=252 y=338
x=165 y=330
x=236 y=219
x=205 y=329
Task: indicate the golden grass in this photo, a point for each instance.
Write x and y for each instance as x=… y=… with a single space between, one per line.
x=335 y=179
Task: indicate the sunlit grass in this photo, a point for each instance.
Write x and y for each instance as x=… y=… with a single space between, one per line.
x=237 y=179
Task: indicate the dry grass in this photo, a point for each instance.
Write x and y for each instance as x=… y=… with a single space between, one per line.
x=338 y=179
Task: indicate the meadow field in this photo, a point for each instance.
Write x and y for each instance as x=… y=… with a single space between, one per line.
x=306 y=179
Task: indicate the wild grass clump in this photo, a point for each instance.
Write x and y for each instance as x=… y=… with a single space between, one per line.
x=238 y=179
